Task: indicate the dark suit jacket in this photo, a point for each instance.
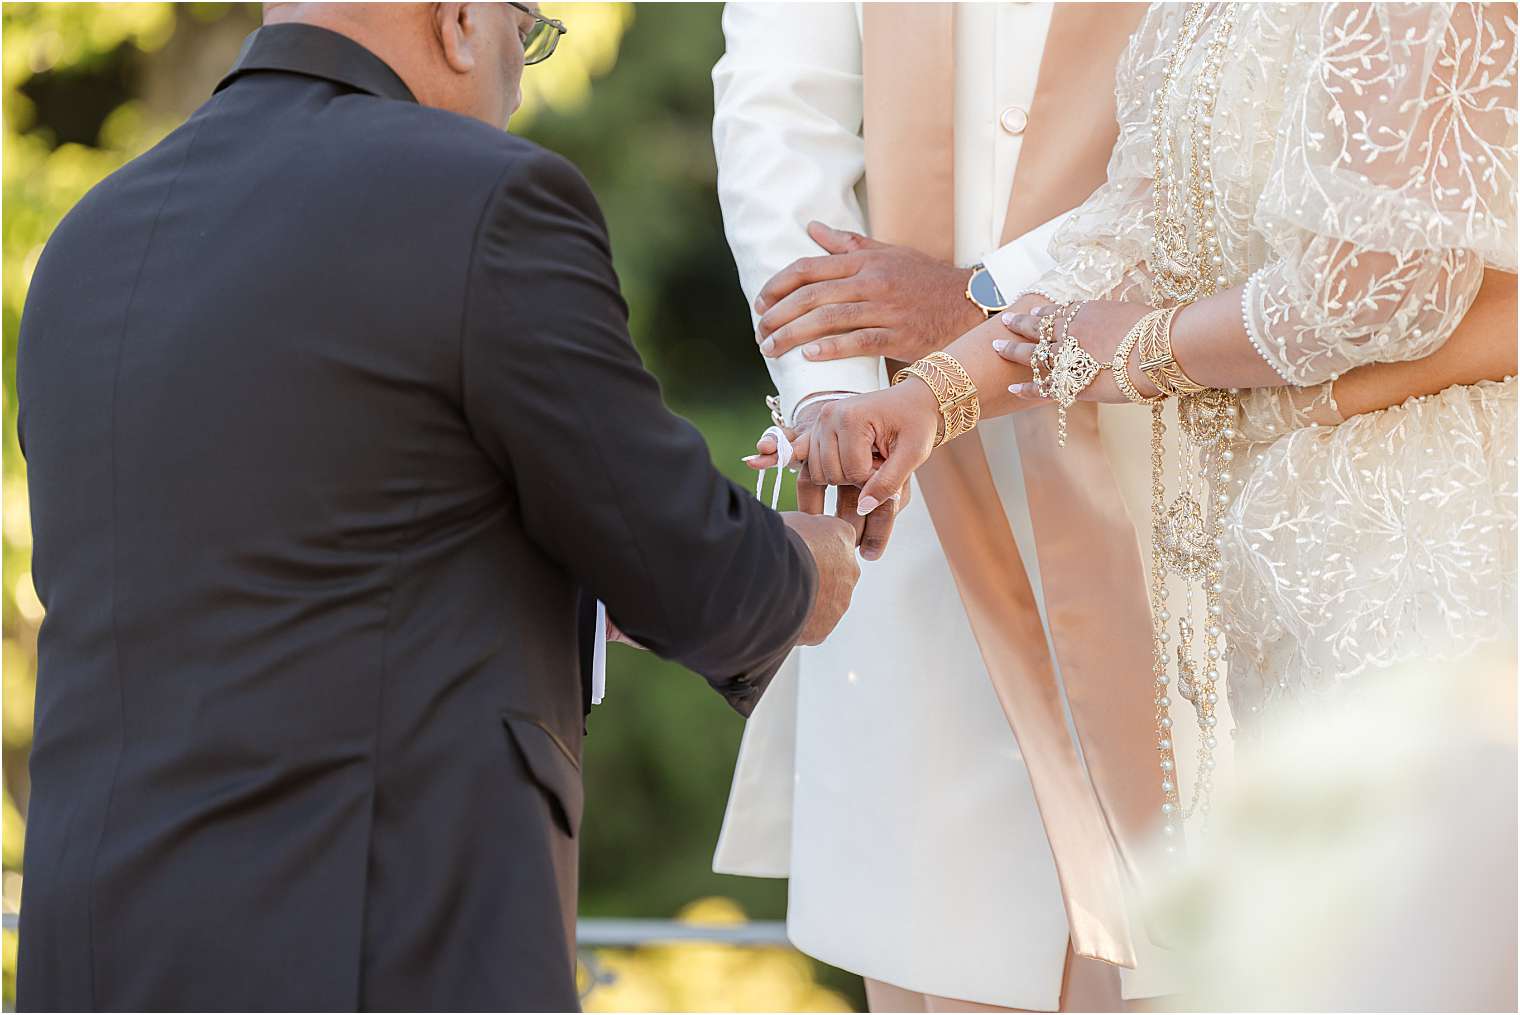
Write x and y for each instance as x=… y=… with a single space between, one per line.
x=332 y=420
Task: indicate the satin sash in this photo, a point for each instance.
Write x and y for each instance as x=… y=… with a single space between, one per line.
x=1089 y=561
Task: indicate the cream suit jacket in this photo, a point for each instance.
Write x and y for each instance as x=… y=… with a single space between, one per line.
x=879 y=772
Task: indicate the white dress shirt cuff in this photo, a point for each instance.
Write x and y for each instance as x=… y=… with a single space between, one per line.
x=1020 y=264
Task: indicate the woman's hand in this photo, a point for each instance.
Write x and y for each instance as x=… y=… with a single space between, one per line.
x=873 y=441
x=1098 y=326
x=873 y=526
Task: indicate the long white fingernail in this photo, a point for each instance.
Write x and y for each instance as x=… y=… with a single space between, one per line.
x=867 y=505
x=1000 y=344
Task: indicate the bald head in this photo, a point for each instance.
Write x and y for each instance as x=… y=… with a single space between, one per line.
x=466 y=58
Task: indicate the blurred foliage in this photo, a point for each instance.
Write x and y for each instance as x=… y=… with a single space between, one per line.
x=628 y=98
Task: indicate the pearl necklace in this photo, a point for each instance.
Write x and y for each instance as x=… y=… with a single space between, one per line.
x=1186 y=541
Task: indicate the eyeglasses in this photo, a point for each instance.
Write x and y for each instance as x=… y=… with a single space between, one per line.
x=539 y=42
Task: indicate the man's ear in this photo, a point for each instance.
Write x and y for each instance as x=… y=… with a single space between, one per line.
x=454 y=25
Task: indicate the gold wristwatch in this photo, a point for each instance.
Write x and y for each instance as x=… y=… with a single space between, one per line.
x=982 y=290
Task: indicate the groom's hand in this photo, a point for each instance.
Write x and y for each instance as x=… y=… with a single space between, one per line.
x=872 y=531
x=832 y=543
x=864 y=298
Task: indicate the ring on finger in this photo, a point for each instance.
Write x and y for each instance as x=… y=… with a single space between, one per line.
x=1041 y=359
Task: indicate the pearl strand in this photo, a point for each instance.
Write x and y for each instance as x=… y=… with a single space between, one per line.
x=1205 y=420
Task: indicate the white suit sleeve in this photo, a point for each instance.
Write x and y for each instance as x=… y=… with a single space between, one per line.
x=786 y=128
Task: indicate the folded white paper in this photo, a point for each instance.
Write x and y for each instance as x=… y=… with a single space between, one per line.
x=599 y=656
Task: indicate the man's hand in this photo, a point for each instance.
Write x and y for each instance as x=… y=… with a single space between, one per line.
x=616 y=636
x=864 y=298
x=833 y=544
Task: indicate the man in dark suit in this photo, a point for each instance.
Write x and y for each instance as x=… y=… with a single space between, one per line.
x=334 y=428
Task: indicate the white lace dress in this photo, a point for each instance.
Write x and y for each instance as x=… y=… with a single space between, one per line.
x=1364 y=163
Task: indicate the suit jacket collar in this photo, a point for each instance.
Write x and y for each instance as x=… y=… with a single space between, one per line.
x=319 y=53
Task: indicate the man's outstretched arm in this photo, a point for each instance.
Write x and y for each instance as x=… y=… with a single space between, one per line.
x=611 y=484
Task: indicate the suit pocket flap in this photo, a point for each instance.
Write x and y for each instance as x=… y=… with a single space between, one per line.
x=550 y=763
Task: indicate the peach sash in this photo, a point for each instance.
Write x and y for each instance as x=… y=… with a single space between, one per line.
x=1096 y=816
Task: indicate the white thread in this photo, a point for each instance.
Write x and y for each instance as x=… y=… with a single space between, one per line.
x=818 y=397
x=783 y=459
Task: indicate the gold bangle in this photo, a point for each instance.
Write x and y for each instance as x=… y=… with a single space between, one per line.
x=953 y=389
x=1120 y=364
x=1158 y=364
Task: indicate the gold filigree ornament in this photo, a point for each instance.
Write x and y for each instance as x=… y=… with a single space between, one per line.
x=1184 y=538
x=1072 y=369
x=1067 y=367
x=1203 y=418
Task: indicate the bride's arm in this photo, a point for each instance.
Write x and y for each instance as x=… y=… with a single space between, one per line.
x=1210 y=341
x=1392 y=184
x=1481 y=349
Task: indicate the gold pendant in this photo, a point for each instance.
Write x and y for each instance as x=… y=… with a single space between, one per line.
x=1204 y=417
x=1183 y=537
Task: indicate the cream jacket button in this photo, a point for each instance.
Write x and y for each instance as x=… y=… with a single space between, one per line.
x=1014 y=119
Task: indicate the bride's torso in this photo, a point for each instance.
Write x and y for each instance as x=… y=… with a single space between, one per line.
x=1347 y=547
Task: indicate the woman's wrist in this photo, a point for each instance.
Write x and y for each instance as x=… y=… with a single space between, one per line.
x=917 y=397
x=1210 y=345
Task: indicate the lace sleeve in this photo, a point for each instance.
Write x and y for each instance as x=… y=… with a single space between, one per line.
x=1392 y=184
x=1100 y=251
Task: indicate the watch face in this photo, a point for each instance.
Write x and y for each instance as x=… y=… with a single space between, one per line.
x=985 y=291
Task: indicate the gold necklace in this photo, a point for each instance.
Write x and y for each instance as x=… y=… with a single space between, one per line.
x=1187 y=265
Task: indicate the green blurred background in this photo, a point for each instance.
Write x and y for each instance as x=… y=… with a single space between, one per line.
x=628 y=98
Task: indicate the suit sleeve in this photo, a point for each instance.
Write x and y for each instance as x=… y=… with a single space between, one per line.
x=611 y=484
x=787 y=107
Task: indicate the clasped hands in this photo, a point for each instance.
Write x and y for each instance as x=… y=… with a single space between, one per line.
x=868 y=298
